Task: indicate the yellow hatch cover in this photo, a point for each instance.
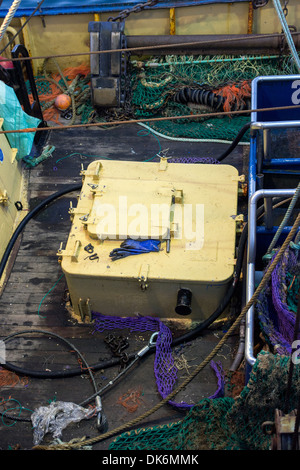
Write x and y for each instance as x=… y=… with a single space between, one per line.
x=191 y=206
x=118 y=204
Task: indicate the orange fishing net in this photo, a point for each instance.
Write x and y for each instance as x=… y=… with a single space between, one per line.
x=234 y=96
x=10 y=379
x=72 y=72
x=131 y=400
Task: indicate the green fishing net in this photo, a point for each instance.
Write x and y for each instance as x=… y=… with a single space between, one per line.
x=225 y=423
x=155 y=83
x=151 y=88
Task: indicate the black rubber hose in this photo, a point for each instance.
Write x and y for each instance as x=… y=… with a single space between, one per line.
x=42 y=205
x=199 y=96
x=110 y=363
x=226 y=300
x=76 y=187
x=61 y=374
x=29 y=216
x=235 y=142
x=208 y=98
x=205 y=97
x=60 y=338
x=70 y=346
x=184 y=338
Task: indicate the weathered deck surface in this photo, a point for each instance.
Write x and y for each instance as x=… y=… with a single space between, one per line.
x=36 y=271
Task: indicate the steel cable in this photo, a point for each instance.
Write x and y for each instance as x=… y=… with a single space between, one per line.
x=147 y=120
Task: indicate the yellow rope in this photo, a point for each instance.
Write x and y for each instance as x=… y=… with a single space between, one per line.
x=201 y=366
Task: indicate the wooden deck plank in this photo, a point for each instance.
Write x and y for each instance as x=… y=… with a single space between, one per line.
x=36 y=270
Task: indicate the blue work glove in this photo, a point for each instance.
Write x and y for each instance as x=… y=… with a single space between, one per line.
x=134 y=247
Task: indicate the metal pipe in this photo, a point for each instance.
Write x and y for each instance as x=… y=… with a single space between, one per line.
x=213 y=43
x=241 y=349
x=260 y=181
x=268 y=213
x=262 y=125
x=282 y=162
x=262 y=193
x=252 y=166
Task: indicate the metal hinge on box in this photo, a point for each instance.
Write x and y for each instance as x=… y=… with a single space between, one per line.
x=239 y=178
x=143 y=276
x=239 y=220
x=4 y=197
x=73 y=254
x=94 y=172
x=163 y=164
x=74 y=211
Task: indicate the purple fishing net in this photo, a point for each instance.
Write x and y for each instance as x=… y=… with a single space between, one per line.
x=165 y=370
x=205 y=160
x=286 y=318
x=276 y=317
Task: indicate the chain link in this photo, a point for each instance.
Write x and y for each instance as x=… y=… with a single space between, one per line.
x=292 y=28
x=285 y=8
x=259 y=3
x=136 y=9
x=117 y=345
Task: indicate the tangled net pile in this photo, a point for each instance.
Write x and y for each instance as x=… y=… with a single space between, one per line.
x=224 y=423
x=170 y=86
x=277 y=305
x=181 y=85
x=73 y=81
x=165 y=369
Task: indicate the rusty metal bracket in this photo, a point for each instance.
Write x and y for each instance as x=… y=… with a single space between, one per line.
x=283 y=431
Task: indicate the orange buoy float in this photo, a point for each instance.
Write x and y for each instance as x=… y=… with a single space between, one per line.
x=63 y=102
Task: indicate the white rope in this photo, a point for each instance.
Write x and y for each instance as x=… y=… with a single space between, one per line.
x=10 y=14
x=287 y=33
x=185 y=139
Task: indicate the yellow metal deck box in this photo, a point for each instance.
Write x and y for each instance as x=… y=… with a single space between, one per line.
x=190 y=208
x=11 y=190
